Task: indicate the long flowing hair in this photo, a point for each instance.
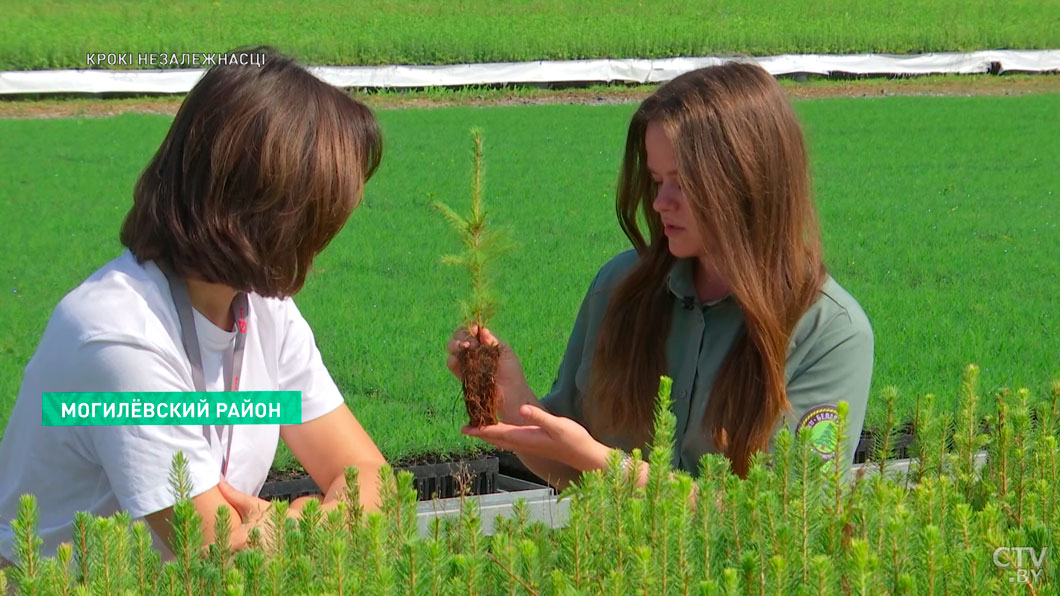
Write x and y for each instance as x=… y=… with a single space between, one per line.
x=742 y=165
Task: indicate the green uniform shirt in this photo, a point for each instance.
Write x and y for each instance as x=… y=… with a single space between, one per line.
x=829 y=360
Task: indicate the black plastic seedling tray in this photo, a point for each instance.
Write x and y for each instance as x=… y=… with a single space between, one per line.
x=437 y=480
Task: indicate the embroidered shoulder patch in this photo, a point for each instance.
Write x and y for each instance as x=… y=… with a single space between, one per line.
x=823 y=422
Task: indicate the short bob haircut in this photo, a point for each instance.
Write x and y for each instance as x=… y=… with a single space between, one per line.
x=259 y=171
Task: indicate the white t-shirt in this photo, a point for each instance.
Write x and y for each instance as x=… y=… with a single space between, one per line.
x=119 y=331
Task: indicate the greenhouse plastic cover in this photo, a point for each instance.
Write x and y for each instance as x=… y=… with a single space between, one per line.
x=547 y=71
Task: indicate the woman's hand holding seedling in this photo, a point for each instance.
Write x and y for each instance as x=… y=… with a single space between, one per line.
x=512 y=388
x=544 y=435
x=525 y=427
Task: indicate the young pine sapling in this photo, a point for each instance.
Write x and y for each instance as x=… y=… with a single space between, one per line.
x=481 y=246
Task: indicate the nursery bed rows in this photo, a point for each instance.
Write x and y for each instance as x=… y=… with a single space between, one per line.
x=939 y=214
x=56 y=34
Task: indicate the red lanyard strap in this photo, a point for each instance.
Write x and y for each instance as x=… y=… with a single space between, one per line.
x=241 y=312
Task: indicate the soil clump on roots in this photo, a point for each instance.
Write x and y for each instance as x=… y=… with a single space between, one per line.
x=479 y=364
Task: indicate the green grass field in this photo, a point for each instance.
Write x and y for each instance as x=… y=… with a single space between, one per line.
x=941 y=215
x=58 y=34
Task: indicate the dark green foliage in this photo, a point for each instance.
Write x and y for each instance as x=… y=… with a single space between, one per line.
x=949 y=258
x=53 y=34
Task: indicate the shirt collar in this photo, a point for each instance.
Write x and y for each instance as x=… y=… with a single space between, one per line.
x=682 y=285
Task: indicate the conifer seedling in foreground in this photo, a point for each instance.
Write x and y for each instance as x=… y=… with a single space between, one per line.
x=481 y=245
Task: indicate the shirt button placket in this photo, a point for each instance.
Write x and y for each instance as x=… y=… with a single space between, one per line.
x=692 y=345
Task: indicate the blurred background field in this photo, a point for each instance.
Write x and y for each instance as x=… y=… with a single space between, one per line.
x=58 y=34
x=940 y=215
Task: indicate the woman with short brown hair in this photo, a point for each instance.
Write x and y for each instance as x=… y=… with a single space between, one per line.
x=260 y=169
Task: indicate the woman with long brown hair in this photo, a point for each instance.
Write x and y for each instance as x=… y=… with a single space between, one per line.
x=725 y=291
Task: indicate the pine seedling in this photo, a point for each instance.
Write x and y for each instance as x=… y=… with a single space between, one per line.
x=709 y=587
x=187 y=536
x=622 y=479
x=969 y=561
x=752 y=574
x=661 y=455
x=300 y=575
x=275 y=579
x=864 y=565
x=60 y=580
x=1023 y=443
x=778 y=574
x=642 y=571
x=932 y=556
x=437 y=564
x=399 y=504
x=760 y=493
x=1054 y=406
x=883 y=444
x=822 y=575
x=930 y=440
x=235 y=584
x=561 y=584
x=575 y=552
x=209 y=581
x=411 y=567
x=168 y=583
x=520 y=518
x=27 y=573
x=481 y=244
x=504 y=559
x=782 y=467
x=276 y=535
x=1045 y=438
x=352 y=509
x=379 y=571
x=969 y=440
x=683 y=532
x=658 y=493
x=1052 y=453
x=810 y=488
x=714 y=468
x=220 y=551
x=885 y=497
x=99 y=549
x=333 y=550
x=532 y=571
x=733 y=499
x=51 y=577
x=82 y=521
x=334 y=562
x=999 y=448
x=310 y=527
x=254 y=538
x=758 y=534
x=146 y=560
x=730 y=581
x=251 y=562
x=616 y=582
x=472 y=544
x=113 y=550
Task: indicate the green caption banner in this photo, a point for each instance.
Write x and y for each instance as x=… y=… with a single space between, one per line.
x=177 y=407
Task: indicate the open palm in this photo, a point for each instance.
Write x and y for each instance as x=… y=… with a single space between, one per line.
x=545 y=435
